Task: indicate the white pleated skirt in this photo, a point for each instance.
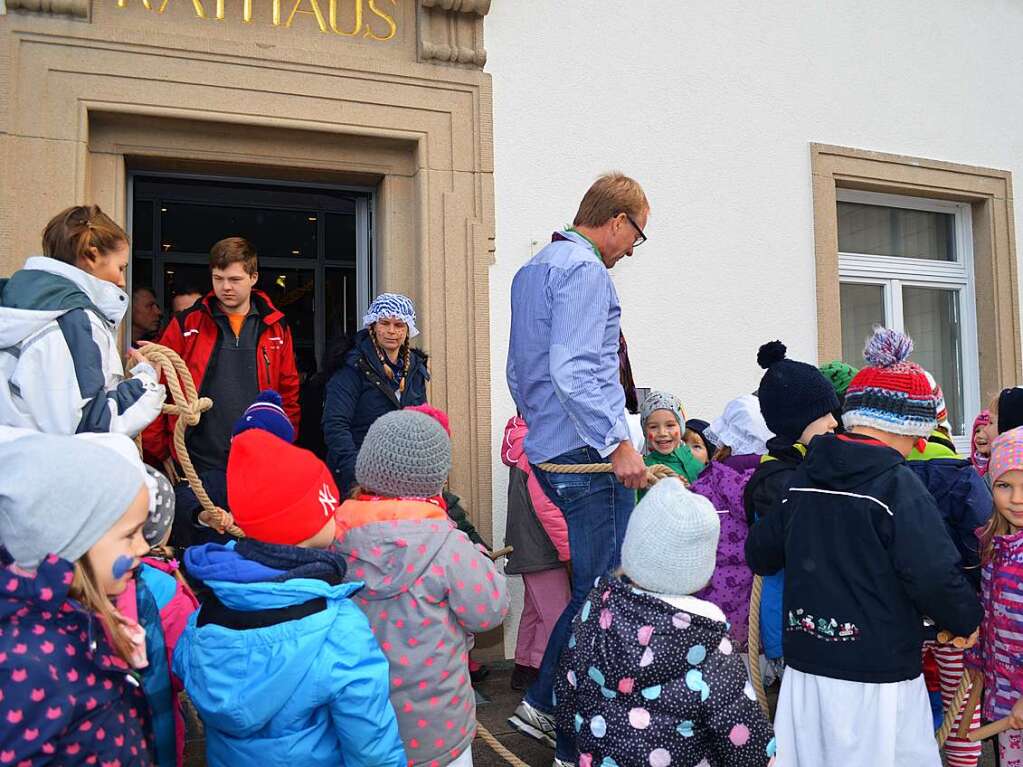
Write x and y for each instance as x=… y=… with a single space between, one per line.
x=824 y=722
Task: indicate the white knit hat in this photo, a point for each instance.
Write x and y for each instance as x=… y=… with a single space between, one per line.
x=671 y=542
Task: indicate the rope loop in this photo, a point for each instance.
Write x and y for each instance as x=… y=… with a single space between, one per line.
x=188 y=407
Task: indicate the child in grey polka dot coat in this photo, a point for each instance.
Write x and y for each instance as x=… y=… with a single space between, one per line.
x=650 y=677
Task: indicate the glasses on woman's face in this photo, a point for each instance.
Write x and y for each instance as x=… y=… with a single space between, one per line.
x=640 y=238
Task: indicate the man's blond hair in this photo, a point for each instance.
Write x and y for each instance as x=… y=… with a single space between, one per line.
x=611 y=194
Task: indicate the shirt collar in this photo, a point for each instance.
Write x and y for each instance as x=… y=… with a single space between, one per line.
x=580 y=239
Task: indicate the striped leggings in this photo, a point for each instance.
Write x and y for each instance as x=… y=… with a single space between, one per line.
x=958 y=751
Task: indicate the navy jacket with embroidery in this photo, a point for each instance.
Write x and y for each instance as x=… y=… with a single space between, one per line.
x=866 y=557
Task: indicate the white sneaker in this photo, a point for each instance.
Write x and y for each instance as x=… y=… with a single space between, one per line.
x=534 y=723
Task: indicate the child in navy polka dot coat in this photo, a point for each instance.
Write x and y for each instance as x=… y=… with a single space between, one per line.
x=650 y=677
x=68 y=695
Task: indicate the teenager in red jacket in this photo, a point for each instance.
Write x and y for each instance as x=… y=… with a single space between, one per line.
x=236 y=343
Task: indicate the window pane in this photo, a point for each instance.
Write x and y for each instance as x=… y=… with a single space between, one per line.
x=183 y=278
x=195 y=227
x=883 y=231
x=292 y=291
x=141 y=273
x=142 y=227
x=862 y=309
x=341 y=237
x=932 y=320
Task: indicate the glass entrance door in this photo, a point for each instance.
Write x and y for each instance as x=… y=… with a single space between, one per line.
x=314 y=247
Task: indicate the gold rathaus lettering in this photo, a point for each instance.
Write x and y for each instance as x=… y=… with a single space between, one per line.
x=362 y=23
x=392 y=27
x=356 y=24
x=314 y=12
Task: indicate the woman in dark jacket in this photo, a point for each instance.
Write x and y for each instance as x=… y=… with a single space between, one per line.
x=380 y=373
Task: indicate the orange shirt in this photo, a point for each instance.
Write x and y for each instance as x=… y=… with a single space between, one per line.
x=237 y=323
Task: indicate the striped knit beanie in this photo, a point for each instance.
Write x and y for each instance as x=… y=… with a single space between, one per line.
x=891 y=394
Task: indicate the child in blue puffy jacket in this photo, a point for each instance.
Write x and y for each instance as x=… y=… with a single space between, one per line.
x=280 y=663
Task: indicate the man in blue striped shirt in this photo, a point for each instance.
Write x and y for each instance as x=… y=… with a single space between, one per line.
x=563 y=373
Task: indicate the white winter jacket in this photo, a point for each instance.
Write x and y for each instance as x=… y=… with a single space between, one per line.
x=60 y=368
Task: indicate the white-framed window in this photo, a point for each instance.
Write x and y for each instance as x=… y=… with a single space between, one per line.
x=907 y=263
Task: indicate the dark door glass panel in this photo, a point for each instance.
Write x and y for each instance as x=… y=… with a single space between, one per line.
x=142 y=273
x=179 y=277
x=341 y=238
x=194 y=228
x=340 y=297
x=293 y=292
x=142 y=227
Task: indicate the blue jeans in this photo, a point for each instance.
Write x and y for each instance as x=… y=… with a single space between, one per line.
x=596 y=509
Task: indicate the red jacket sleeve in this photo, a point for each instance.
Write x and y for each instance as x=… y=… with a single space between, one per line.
x=287 y=381
x=158 y=436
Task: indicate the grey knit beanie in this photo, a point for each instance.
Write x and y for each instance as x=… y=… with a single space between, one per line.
x=60 y=494
x=406 y=454
x=671 y=542
x=662 y=400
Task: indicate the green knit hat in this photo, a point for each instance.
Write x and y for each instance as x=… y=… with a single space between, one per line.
x=840 y=375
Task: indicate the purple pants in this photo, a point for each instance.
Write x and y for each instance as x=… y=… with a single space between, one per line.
x=547 y=595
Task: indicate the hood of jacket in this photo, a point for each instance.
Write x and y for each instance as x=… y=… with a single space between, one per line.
x=391 y=543
x=842 y=462
x=47 y=288
x=513 y=450
x=211 y=659
x=603 y=656
x=46 y=590
x=941 y=475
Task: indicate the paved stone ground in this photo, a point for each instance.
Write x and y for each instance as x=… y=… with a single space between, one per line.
x=496 y=702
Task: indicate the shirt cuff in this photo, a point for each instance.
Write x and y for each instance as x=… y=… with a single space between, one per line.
x=619 y=434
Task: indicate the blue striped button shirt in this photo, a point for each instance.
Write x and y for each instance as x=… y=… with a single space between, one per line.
x=563 y=352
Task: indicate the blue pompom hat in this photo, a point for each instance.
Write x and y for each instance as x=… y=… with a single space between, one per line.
x=392 y=305
x=266 y=413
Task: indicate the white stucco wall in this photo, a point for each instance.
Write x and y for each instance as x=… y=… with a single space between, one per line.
x=712 y=105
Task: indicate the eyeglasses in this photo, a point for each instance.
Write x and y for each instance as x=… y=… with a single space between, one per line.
x=642 y=237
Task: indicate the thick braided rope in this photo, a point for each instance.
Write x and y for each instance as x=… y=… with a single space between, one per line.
x=488 y=738
x=966 y=720
x=952 y=712
x=654 y=473
x=754 y=645
x=188 y=406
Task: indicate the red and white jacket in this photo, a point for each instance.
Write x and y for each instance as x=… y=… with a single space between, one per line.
x=195 y=335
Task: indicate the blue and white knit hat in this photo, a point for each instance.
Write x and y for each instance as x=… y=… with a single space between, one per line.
x=392 y=305
x=266 y=413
